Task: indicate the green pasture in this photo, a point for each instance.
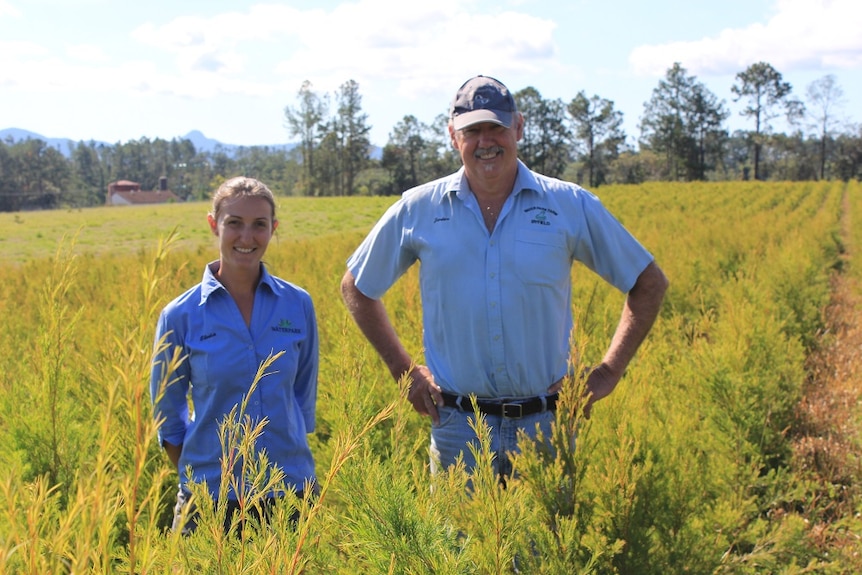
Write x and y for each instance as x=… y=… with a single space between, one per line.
x=686 y=468
x=28 y=236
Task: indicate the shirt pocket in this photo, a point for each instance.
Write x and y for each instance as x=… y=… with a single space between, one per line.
x=541 y=257
x=199 y=370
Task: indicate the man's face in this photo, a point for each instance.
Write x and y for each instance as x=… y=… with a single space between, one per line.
x=488 y=150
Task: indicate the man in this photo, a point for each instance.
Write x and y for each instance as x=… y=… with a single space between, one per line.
x=496 y=243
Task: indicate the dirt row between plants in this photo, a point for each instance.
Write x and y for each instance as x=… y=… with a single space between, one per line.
x=827 y=444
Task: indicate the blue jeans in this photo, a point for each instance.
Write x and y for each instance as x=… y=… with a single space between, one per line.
x=452 y=436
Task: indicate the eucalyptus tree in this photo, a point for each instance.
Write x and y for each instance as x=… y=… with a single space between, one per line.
x=271 y=165
x=40 y=173
x=189 y=173
x=824 y=96
x=135 y=161
x=88 y=178
x=682 y=122
x=327 y=170
x=848 y=155
x=444 y=156
x=159 y=157
x=706 y=116
x=545 y=145
x=599 y=128
x=791 y=157
x=351 y=127
x=736 y=156
x=305 y=121
x=7 y=179
x=767 y=97
x=663 y=123
x=404 y=152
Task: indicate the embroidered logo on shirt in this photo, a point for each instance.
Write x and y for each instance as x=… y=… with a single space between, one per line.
x=285 y=326
x=540 y=218
x=441 y=220
x=207 y=336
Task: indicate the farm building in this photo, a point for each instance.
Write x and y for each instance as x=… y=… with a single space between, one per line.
x=126 y=193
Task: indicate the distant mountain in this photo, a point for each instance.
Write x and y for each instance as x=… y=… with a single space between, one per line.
x=15 y=135
x=204 y=144
x=64 y=145
x=200 y=142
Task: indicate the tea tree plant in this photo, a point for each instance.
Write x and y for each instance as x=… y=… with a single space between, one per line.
x=687 y=467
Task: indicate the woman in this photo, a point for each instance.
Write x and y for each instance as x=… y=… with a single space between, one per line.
x=224 y=329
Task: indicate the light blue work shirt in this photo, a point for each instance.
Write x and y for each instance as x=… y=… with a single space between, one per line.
x=222 y=359
x=497 y=309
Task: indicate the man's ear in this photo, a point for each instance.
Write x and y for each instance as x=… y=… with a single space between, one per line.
x=520 y=123
x=452 y=136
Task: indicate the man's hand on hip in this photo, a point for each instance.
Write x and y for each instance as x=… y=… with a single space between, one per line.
x=423 y=393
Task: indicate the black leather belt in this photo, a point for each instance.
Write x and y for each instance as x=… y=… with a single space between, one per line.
x=513 y=409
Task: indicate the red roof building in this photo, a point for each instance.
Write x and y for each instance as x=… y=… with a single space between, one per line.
x=127 y=193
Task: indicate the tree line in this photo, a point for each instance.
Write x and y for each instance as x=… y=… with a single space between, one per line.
x=683 y=137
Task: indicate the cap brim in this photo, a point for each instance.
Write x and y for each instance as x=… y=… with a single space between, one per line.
x=468 y=119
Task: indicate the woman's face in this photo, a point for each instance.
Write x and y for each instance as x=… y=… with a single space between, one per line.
x=244 y=226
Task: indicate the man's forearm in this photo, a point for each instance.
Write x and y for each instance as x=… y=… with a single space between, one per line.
x=639 y=314
x=173 y=452
x=371 y=317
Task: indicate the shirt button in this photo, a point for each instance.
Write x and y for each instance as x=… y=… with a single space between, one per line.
x=493 y=275
x=496 y=338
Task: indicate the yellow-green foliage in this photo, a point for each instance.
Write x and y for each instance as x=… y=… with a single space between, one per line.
x=683 y=469
x=33 y=236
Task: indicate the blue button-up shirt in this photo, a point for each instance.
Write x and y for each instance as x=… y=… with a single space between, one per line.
x=222 y=356
x=497 y=310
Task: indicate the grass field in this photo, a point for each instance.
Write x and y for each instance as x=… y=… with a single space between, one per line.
x=26 y=236
x=689 y=467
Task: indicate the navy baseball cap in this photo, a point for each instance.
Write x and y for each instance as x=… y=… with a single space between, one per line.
x=482 y=99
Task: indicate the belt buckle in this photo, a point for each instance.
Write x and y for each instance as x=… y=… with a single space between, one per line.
x=513 y=410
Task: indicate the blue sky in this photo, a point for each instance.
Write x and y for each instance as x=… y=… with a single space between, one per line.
x=116 y=71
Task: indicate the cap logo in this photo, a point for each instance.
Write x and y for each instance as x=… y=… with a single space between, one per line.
x=482 y=99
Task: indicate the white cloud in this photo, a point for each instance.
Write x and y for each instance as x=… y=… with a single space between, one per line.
x=86 y=52
x=801 y=35
x=413 y=48
x=15 y=59
x=369 y=41
x=8 y=10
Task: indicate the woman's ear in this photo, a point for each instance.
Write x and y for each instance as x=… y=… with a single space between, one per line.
x=213 y=224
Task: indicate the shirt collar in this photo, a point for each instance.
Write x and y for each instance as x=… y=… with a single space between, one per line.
x=524 y=180
x=210 y=283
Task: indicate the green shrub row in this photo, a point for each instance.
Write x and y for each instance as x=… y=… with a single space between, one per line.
x=684 y=469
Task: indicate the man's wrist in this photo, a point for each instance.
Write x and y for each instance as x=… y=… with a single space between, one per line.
x=610 y=372
x=400 y=372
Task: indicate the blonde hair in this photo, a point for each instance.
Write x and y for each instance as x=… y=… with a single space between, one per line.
x=241 y=186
